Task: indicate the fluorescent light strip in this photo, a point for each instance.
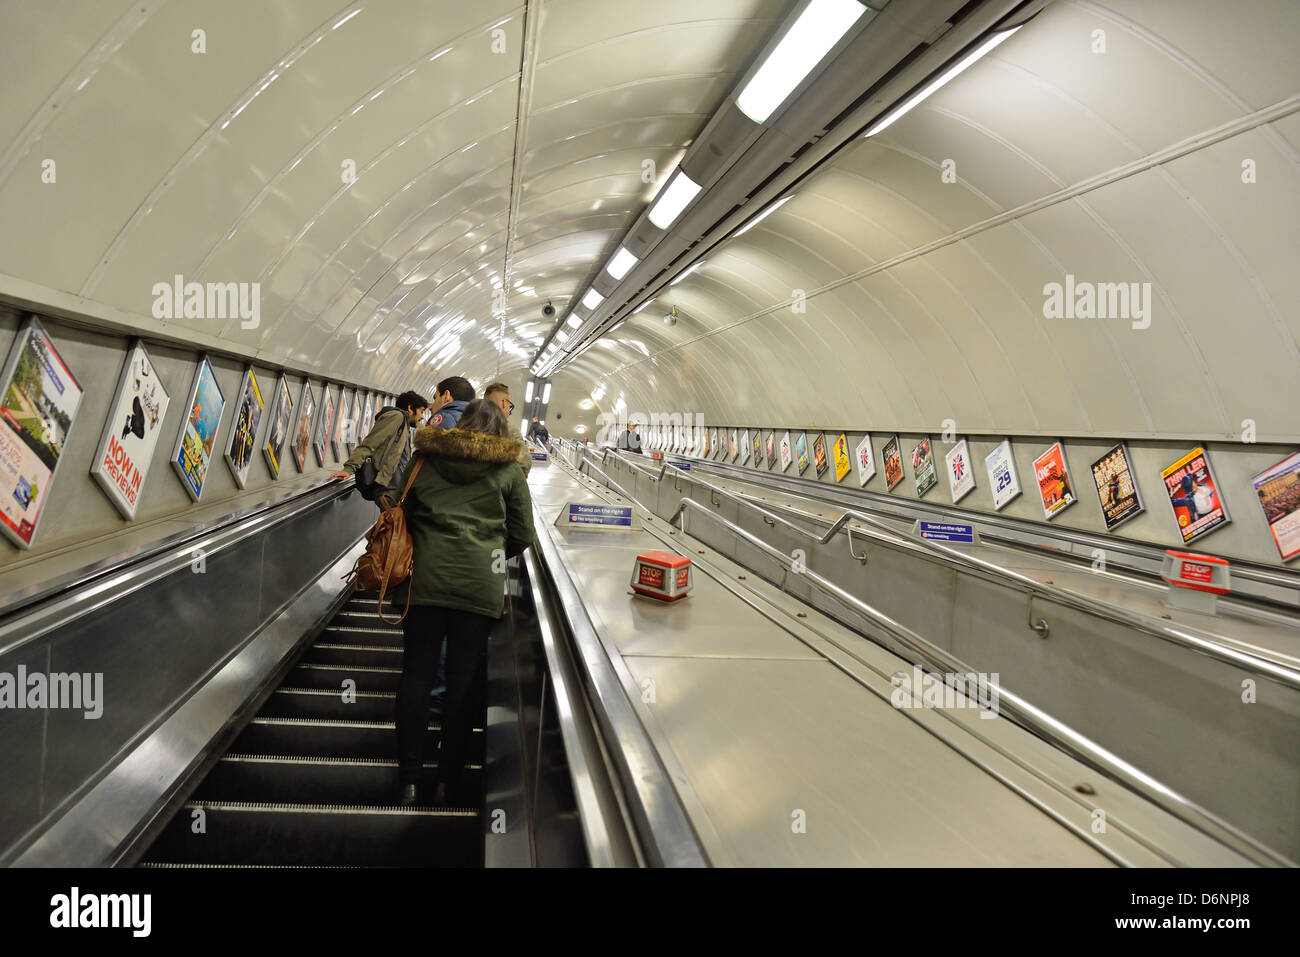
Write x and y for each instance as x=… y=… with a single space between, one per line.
x=546 y=394
x=621 y=264
x=574 y=321
x=818 y=29
x=592 y=299
x=685 y=274
x=947 y=75
x=764 y=214
x=676 y=198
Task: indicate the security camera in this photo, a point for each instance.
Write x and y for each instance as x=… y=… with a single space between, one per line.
x=548 y=311
x=670 y=319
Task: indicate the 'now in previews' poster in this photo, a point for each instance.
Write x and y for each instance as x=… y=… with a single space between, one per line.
x=131 y=433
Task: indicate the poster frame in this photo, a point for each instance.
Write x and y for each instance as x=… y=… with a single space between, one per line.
x=1290 y=463
x=320 y=440
x=274 y=460
x=896 y=443
x=1058 y=447
x=929 y=462
x=241 y=479
x=1010 y=458
x=204 y=360
x=303 y=394
x=1122 y=449
x=969 y=485
x=801 y=452
x=865 y=476
x=821 y=457
x=786 y=448
x=1214 y=481
x=31 y=326
x=97 y=470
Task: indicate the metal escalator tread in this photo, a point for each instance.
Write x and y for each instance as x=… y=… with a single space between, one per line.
x=311 y=780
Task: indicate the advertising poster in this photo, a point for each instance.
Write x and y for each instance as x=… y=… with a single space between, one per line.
x=131 y=433
x=340 y=429
x=278 y=433
x=354 y=422
x=785 y=451
x=820 y=458
x=961 y=476
x=1054 y=488
x=367 y=417
x=771 y=448
x=193 y=452
x=37 y=408
x=733 y=445
x=842 y=463
x=324 y=424
x=923 y=467
x=758 y=448
x=1003 y=480
x=865 y=460
x=1116 y=487
x=1194 y=495
x=302 y=434
x=243 y=437
x=744 y=447
x=892 y=453
x=801 y=451
x=1278 y=490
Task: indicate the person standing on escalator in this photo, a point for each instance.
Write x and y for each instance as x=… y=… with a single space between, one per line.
x=629 y=441
x=468 y=510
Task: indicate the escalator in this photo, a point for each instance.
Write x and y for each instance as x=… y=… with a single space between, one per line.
x=312 y=779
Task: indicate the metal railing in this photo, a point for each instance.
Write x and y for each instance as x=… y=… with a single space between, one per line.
x=1016 y=708
x=1260 y=667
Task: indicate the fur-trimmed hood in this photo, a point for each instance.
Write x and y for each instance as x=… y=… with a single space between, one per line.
x=462 y=456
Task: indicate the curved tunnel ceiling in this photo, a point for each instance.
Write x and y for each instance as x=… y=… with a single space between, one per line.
x=497 y=150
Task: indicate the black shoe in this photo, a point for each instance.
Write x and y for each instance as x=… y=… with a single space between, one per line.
x=410 y=796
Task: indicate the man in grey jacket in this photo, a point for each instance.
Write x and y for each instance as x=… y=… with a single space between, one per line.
x=388 y=444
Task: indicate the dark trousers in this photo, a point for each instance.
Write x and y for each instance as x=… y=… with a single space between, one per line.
x=424 y=631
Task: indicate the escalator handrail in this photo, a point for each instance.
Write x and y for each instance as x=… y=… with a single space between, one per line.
x=1253 y=664
x=665 y=833
x=89 y=591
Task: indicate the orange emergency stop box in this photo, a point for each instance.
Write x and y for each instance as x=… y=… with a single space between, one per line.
x=662 y=575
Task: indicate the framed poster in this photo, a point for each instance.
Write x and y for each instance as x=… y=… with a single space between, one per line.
x=281 y=422
x=1278 y=491
x=744 y=447
x=961 y=476
x=758 y=448
x=193 y=452
x=302 y=434
x=354 y=422
x=923 y=467
x=771 y=447
x=324 y=425
x=733 y=444
x=1194 y=495
x=819 y=454
x=1003 y=480
x=842 y=463
x=1053 y=478
x=37 y=408
x=1116 y=487
x=243 y=437
x=340 y=430
x=801 y=451
x=785 y=451
x=893 y=455
x=866 y=461
x=367 y=417
x=130 y=438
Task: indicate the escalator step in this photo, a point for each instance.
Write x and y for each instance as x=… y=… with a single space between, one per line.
x=328 y=703
x=361 y=635
x=324 y=737
x=305 y=779
x=366 y=654
x=312 y=834
x=309 y=674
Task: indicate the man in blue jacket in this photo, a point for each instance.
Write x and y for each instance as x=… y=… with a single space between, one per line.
x=449 y=401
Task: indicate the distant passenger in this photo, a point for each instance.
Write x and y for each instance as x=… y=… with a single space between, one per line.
x=538 y=432
x=467 y=510
x=388 y=445
x=498 y=393
x=449 y=402
x=629 y=440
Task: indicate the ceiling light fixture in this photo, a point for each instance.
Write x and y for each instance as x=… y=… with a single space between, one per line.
x=621 y=264
x=764 y=214
x=676 y=198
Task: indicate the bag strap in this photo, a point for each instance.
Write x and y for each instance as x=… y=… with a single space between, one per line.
x=410 y=479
